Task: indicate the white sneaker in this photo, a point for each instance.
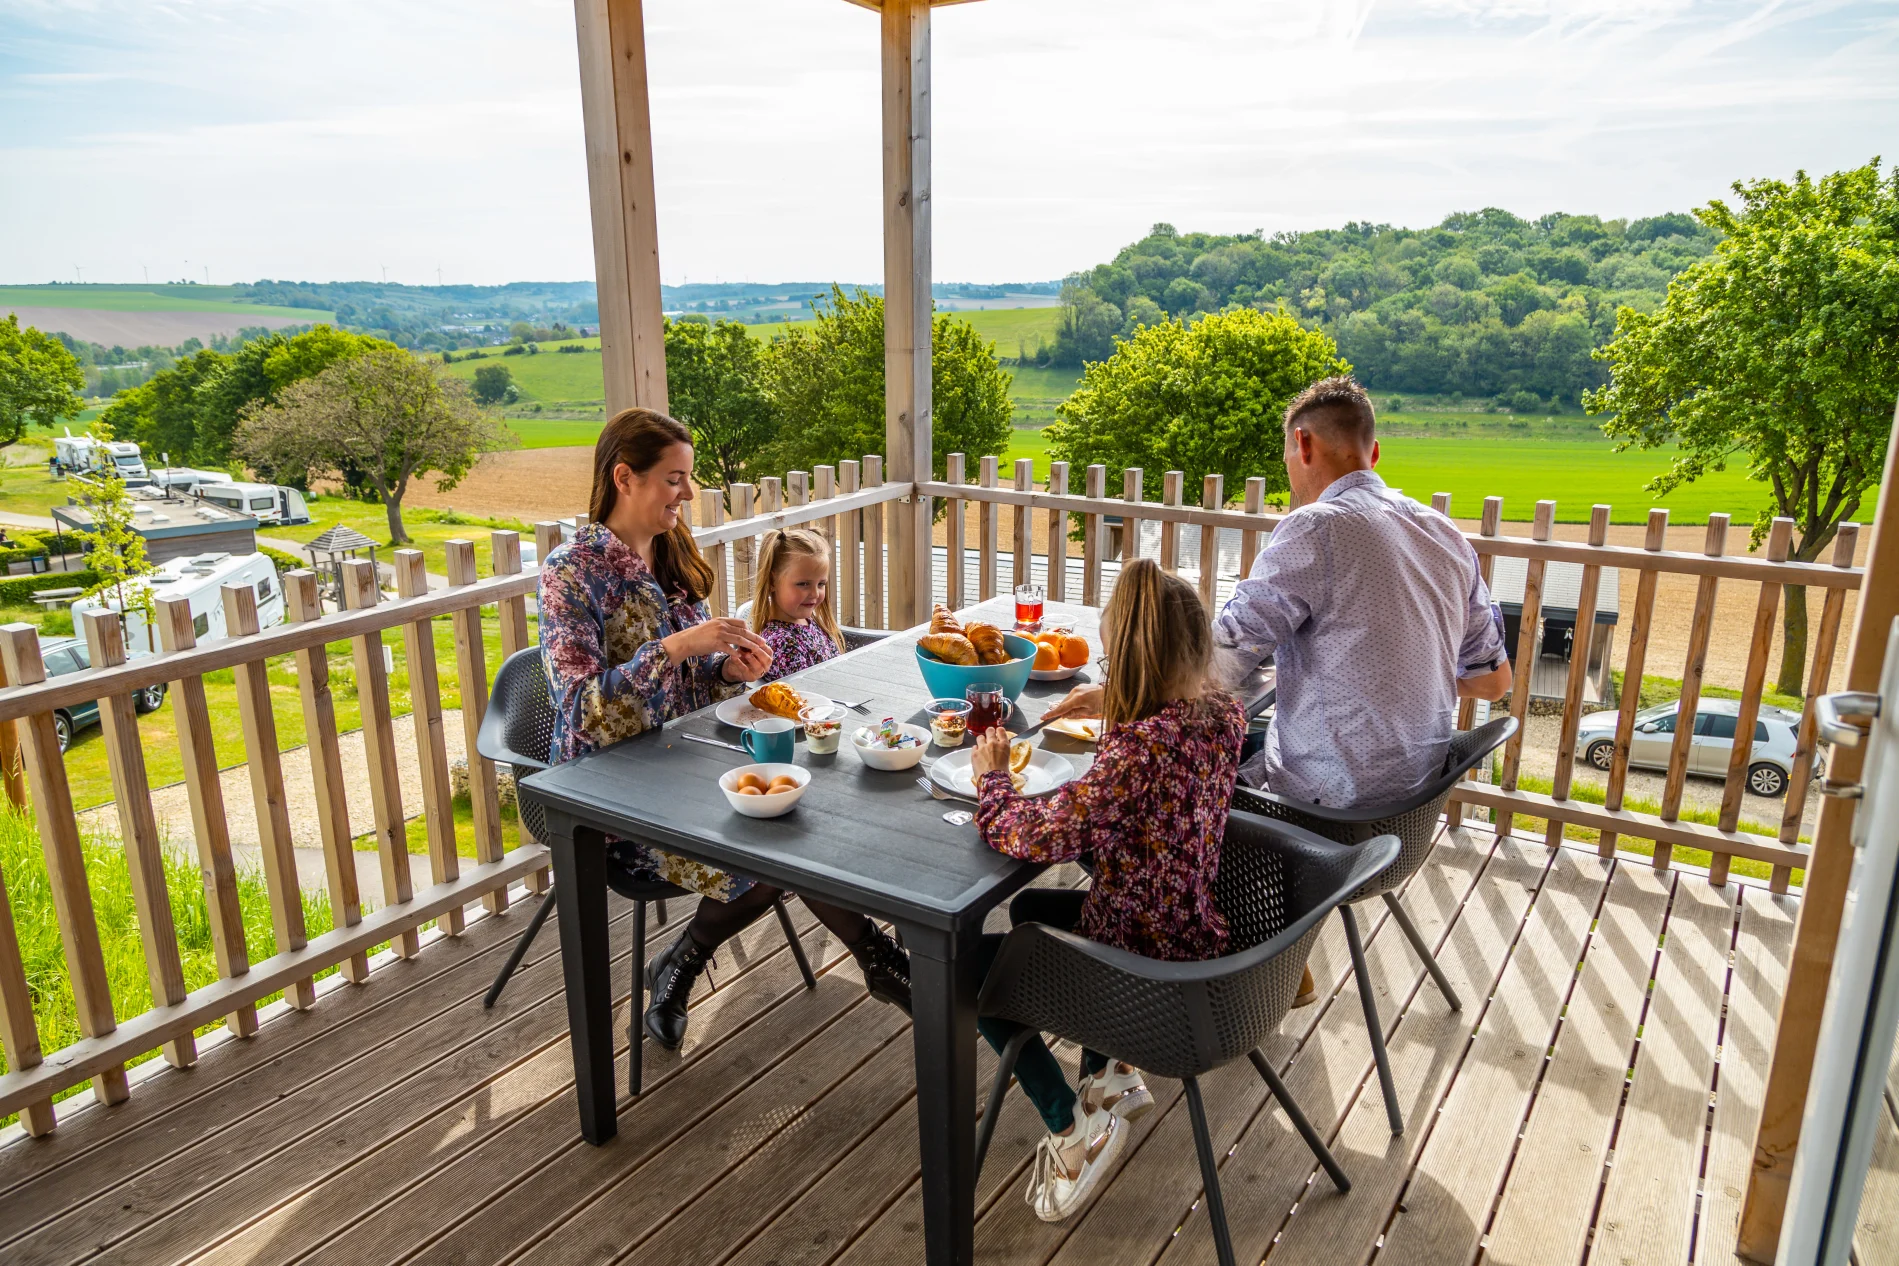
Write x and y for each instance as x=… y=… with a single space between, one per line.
x=1067 y=1168
x=1122 y=1093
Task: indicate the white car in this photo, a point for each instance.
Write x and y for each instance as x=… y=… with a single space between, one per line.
x=1776 y=733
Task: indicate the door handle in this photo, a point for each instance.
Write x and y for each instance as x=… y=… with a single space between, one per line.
x=1830 y=713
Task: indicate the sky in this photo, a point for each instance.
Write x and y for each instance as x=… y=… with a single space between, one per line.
x=239 y=139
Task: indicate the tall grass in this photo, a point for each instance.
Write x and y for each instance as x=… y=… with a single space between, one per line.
x=30 y=893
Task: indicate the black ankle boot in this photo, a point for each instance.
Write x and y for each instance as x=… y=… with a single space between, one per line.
x=669 y=980
x=885 y=966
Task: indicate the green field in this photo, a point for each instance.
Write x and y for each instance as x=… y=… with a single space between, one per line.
x=148 y=299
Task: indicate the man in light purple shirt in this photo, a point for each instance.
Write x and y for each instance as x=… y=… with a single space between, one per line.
x=1374 y=612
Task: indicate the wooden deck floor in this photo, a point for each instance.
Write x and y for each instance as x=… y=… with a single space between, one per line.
x=1595 y=1100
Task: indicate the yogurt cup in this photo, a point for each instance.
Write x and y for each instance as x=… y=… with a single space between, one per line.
x=822 y=728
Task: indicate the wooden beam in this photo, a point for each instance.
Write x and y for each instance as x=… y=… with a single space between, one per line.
x=907 y=309
x=1804 y=999
x=611 y=35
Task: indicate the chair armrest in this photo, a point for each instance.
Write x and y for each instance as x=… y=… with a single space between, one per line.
x=857 y=639
x=1266 y=804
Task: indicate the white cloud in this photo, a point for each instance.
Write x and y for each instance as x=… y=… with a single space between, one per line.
x=269 y=138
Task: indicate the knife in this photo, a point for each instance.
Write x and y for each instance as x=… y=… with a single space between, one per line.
x=712 y=742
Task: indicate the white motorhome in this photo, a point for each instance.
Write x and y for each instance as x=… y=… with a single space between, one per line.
x=83 y=455
x=184 y=478
x=267 y=503
x=200 y=580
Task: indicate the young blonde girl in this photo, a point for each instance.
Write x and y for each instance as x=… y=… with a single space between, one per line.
x=1152 y=812
x=791 y=601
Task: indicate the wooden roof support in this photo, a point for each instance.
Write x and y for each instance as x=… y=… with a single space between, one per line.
x=619 y=131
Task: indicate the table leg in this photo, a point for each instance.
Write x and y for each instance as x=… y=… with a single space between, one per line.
x=943 y=997
x=580 y=885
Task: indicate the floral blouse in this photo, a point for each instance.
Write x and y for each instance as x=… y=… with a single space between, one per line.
x=602 y=617
x=795 y=647
x=1152 y=811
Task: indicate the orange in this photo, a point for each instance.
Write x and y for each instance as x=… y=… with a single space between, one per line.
x=1074 y=651
x=1047 y=656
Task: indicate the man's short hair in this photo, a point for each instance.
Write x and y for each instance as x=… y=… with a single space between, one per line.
x=1337 y=410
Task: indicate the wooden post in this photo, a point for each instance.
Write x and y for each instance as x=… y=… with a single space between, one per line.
x=19 y=1033
x=1170 y=531
x=1779 y=542
x=1525 y=657
x=907 y=307
x=431 y=739
x=1828 y=868
x=1131 y=492
x=987 y=532
x=1819 y=675
x=1698 y=632
x=1642 y=620
x=1092 y=542
x=65 y=859
x=850 y=586
x=138 y=830
x=619 y=136
x=823 y=488
x=1249 y=539
x=13 y=772
x=1212 y=497
x=1441 y=502
x=379 y=747
x=506 y=551
x=744 y=550
x=874 y=547
x=771 y=495
x=1022 y=522
x=259 y=722
x=1578 y=669
x=953 y=536
x=711 y=514
x=1466 y=708
x=1056 y=571
x=302 y=597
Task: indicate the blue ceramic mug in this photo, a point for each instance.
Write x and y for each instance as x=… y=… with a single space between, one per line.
x=770 y=740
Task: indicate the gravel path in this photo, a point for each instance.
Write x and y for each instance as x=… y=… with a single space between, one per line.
x=173 y=807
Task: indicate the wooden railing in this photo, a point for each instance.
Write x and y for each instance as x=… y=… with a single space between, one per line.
x=854 y=509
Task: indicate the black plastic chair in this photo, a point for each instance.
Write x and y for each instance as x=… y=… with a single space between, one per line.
x=1275 y=887
x=519 y=722
x=1413 y=821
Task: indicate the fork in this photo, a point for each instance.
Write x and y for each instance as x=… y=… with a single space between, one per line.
x=859 y=706
x=928 y=784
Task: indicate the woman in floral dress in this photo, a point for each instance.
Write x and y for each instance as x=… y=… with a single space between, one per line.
x=629 y=645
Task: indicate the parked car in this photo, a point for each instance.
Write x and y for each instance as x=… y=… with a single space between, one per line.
x=63 y=655
x=1770 y=766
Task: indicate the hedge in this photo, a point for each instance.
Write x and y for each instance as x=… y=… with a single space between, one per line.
x=20 y=589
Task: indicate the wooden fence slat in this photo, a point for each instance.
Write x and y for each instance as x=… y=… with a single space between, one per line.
x=874 y=537
x=259 y=722
x=797 y=488
x=953 y=535
x=1525 y=657
x=471 y=674
x=1642 y=620
x=19 y=1033
x=379 y=747
x=1092 y=543
x=1467 y=708
x=302 y=597
x=1170 y=531
x=1580 y=644
x=718 y=557
x=506 y=552
x=771 y=495
x=850 y=577
x=12 y=766
x=1212 y=497
x=431 y=739
x=1022 y=529
x=1697 y=663
x=1441 y=502
x=104 y=631
x=1249 y=537
x=987 y=531
x=1819 y=681
x=1057 y=560
x=1779 y=544
x=1131 y=493
x=745 y=549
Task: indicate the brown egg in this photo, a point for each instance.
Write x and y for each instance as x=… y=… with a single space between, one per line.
x=784 y=782
x=749 y=780
x=749 y=789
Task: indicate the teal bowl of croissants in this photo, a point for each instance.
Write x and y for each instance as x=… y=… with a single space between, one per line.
x=953 y=657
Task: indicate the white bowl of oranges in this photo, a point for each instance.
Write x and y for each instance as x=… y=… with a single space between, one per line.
x=1059 y=655
x=764 y=791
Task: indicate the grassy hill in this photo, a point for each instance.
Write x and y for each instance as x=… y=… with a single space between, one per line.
x=147 y=299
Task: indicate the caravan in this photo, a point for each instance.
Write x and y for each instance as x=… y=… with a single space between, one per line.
x=199 y=580
x=267 y=503
x=83 y=455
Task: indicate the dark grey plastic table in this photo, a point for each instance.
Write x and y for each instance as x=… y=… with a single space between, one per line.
x=865 y=839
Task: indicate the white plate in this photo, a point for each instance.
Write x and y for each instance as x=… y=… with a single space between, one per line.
x=738 y=710
x=1053 y=674
x=1046 y=771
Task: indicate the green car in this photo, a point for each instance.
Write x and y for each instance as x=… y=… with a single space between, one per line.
x=63 y=655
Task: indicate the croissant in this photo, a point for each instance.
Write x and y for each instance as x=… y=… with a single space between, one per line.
x=987 y=639
x=951 y=648
x=943 y=620
x=778 y=699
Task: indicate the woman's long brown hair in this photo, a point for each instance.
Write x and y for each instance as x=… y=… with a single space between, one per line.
x=1158 y=641
x=639 y=438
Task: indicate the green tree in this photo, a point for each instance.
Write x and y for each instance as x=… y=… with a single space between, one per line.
x=117 y=548
x=40 y=380
x=826 y=382
x=494 y=384
x=1204 y=398
x=714 y=384
x=385 y=418
x=1780 y=350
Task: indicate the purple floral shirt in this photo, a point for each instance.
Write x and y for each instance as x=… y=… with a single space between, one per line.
x=602 y=618
x=795 y=647
x=1152 y=811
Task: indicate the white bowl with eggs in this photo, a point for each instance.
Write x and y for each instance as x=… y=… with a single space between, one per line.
x=877 y=756
x=767 y=803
